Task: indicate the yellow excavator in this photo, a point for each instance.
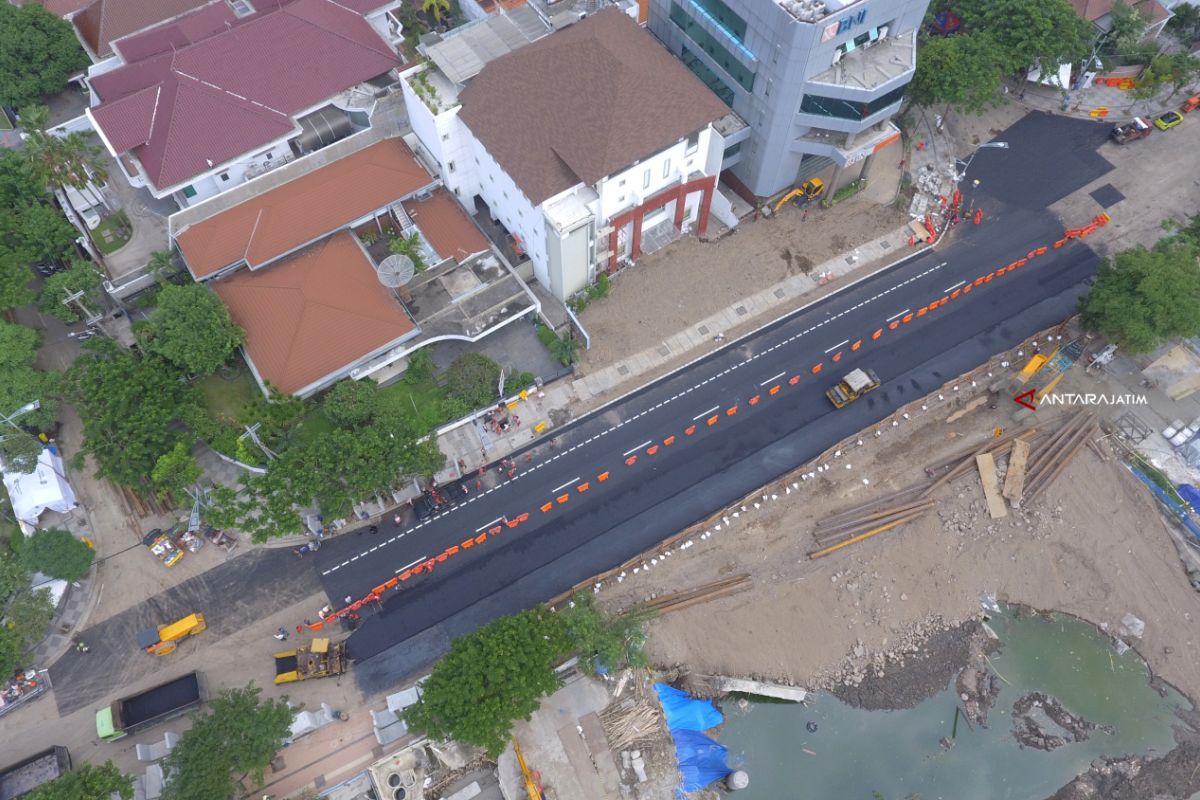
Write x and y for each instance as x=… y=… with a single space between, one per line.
x=805 y=193
x=318 y=659
x=166 y=638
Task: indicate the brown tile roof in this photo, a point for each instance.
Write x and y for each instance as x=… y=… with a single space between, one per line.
x=220 y=90
x=446 y=226
x=62 y=8
x=105 y=21
x=584 y=102
x=1152 y=10
x=302 y=210
x=314 y=313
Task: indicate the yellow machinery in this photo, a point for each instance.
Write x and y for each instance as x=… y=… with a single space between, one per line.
x=531 y=788
x=806 y=192
x=167 y=637
x=856 y=383
x=317 y=660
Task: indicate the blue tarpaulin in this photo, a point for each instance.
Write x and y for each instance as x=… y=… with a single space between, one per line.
x=686 y=713
x=1191 y=494
x=701 y=760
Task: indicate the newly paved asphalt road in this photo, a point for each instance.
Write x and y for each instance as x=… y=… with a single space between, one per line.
x=640 y=504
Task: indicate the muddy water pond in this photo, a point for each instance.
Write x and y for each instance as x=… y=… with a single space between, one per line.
x=1062 y=686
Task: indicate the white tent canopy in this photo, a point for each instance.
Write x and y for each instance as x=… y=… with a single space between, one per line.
x=44 y=488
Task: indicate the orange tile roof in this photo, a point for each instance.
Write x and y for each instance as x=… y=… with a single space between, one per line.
x=302 y=210
x=446 y=226
x=314 y=313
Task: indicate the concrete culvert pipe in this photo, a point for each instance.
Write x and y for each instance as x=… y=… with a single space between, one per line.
x=737 y=779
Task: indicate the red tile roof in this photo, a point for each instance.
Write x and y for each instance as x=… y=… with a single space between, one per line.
x=313 y=314
x=62 y=8
x=302 y=210
x=446 y=226
x=583 y=103
x=105 y=21
x=234 y=91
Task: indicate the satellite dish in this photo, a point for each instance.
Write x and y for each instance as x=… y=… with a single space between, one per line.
x=396 y=270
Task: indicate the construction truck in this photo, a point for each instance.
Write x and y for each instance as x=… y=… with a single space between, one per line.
x=320 y=659
x=151 y=707
x=26 y=775
x=1137 y=128
x=803 y=194
x=165 y=638
x=856 y=383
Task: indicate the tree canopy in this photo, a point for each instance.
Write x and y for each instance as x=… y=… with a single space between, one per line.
x=192 y=329
x=1029 y=33
x=58 y=554
x=26 y=612
x=80 y=276
x=130 y=408
x=473 y=379
x=20 y=383
x=498 y=674
x=352 y=404
x=963 y=72
x=1142 y=298
x=38 y=54
x=86 y=782
x=238 y=736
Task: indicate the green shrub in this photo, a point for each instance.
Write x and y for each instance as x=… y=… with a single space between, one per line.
x=473 y=379
x=57 y=553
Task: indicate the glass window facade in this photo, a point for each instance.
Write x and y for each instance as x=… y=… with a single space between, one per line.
x=710 y=78
x=714 y=48
x=848 y=109
x=724 y=16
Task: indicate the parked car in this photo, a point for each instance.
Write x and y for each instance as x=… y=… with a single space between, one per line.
x=1168 y=120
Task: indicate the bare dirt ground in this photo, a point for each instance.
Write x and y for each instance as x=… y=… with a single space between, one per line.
x=669 y=290
x=1093 y=545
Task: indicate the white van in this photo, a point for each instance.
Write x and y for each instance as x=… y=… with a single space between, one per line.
x=87 y=203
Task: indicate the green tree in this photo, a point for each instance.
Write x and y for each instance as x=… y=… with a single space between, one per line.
x=175 y=470
x=436 y=7
x=960 y=72
x=20 y=383
x=192 y=329
x=611 y=642
x=38 y=232
x=15 y=278
x=490 y=679
x=352 y=404
x=1143 y=298
x=57 y=553
x=130 y=407
x=57 y=162
x=38 y=54
x=86 y=782
x=162 y=264
x=1186 y=22
x=26 y=615
x=1176 y=70
x=473 y=379
x=1126 y=29
x=1029 y=33
x=20 y=451
x=238 y=737
x=81 y=276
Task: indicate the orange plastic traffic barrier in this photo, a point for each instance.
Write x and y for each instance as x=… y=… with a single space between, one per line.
x=689 y=430
x=774 y=390
x=754 y=400
x=1020 y=262
x=583 y=487
x=392 y=583
x=1060 y=243
x=495 y=530
x=652 y=449
x=631 y=460
x=403 y=576
x=792 y=381
x=877 y=334
x=907 y=318
x=978 y=282
x=670 y=440
x=954 y=295
x=922 y=311
x=1001 y=271
x=944 y=300
x=442 y=556
x=481 y=538
x=546 y=507
x=466 y=544
x=602 y=477
x=966 y=288
x=380 y=589
x=729 y=412
x=713 y=420
x=857 y=344
x=817 y=368
x=1041 y=251
x=512 y=523
x=1031 y=254
x=894 y=324
x=562 y=498
x=524 y=517
x=836 y=357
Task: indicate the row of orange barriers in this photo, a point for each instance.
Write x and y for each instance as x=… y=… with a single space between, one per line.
x=652 y=448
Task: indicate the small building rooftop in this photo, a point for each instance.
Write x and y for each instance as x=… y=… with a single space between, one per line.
x=463 y=52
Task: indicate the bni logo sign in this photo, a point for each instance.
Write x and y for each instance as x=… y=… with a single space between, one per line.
x=844 y=24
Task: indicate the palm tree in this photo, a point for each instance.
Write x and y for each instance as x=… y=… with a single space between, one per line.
x=161 y=264
x=435 y=8
x=60 y=161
